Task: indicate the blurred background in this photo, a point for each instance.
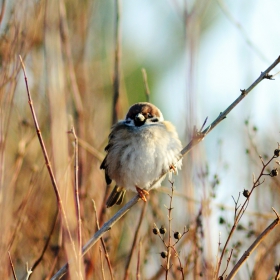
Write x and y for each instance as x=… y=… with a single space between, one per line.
x=197 y=55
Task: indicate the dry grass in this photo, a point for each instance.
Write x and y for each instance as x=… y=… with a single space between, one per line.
x=69 y=61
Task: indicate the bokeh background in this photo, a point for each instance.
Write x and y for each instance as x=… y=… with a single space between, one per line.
x=197 y=55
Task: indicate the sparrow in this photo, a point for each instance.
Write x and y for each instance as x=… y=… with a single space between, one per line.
x=140 y=150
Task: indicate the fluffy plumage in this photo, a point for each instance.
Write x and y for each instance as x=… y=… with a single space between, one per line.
x=140 y=149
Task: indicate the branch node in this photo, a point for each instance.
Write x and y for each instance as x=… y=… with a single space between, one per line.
x=268 y=76
x=277 y=215
x=203 y=124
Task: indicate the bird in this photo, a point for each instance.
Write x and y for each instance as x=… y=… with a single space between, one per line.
x=141 y=148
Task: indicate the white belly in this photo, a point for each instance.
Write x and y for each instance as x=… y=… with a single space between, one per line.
x=142 y=157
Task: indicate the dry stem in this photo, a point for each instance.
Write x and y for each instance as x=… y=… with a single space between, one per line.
x=103 y=244
x=47 y=161
x=116 y=88
x=46 y=244
x=76 y=191
x=254 y=245
x=145 y=80
x=2 y=10
x=238 y=214
x=135 y=240
x=138 y=261
x=116 y=78
x=168 y=266
x=76 y=187
x=102 y=266
x=107 y=226
x=12 y=266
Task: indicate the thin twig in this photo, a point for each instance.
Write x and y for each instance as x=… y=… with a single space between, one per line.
x=76 y=188
x=223 y=115
x=240 y=213
x=64 y=35
x=46 y=243
x=236 y=205
x=217 y=257
x=168 y=266
x=90 y=149
x=66 y=45
x=161 y=270
x=172 y=246
x=21 y=212
x=226 y=10
x=276 y=74
x=254 y=245
x=196 y=244
x=102 y=266
x=2 y=10
x=228 y=260
x=116 y=89
x=107 y=226
x=146 y=85
x=135 y=240
x=103 y=243
x=168 y=245
x=138 y=275
x=28 y=272
x=12 y=266
x=180 y=268
x=47 y=161
x=57 y=248
x=116 y=78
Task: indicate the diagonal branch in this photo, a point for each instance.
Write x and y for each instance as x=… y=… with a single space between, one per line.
x=198 y=137
x=223 y=115
x=254 y=245
x=46 y=157
x=106 y=227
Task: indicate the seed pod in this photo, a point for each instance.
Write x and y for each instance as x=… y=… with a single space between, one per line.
x=274 y=172
x=162 y=230
x=246 y=193
x=177 y=235
x=155 y=231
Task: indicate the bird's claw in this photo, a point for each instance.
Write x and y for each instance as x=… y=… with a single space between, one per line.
x=142 y=193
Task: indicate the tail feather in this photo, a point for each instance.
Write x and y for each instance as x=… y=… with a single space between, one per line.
x=116 y=196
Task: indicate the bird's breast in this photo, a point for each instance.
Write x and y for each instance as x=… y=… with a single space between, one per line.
x=139 y=155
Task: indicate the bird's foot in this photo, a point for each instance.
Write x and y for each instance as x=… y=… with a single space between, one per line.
x=142 y=193
x=172 y=168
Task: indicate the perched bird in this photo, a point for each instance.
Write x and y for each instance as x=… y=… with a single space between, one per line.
x=141 y=148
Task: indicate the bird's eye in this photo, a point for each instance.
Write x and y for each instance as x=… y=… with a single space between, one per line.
x=155 y=120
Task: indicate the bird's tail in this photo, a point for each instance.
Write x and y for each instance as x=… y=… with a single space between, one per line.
x=116 y=196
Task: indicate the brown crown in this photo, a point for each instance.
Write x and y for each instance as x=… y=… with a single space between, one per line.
x=143 y=107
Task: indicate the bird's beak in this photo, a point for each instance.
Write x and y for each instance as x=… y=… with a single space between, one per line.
x=139 y=117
